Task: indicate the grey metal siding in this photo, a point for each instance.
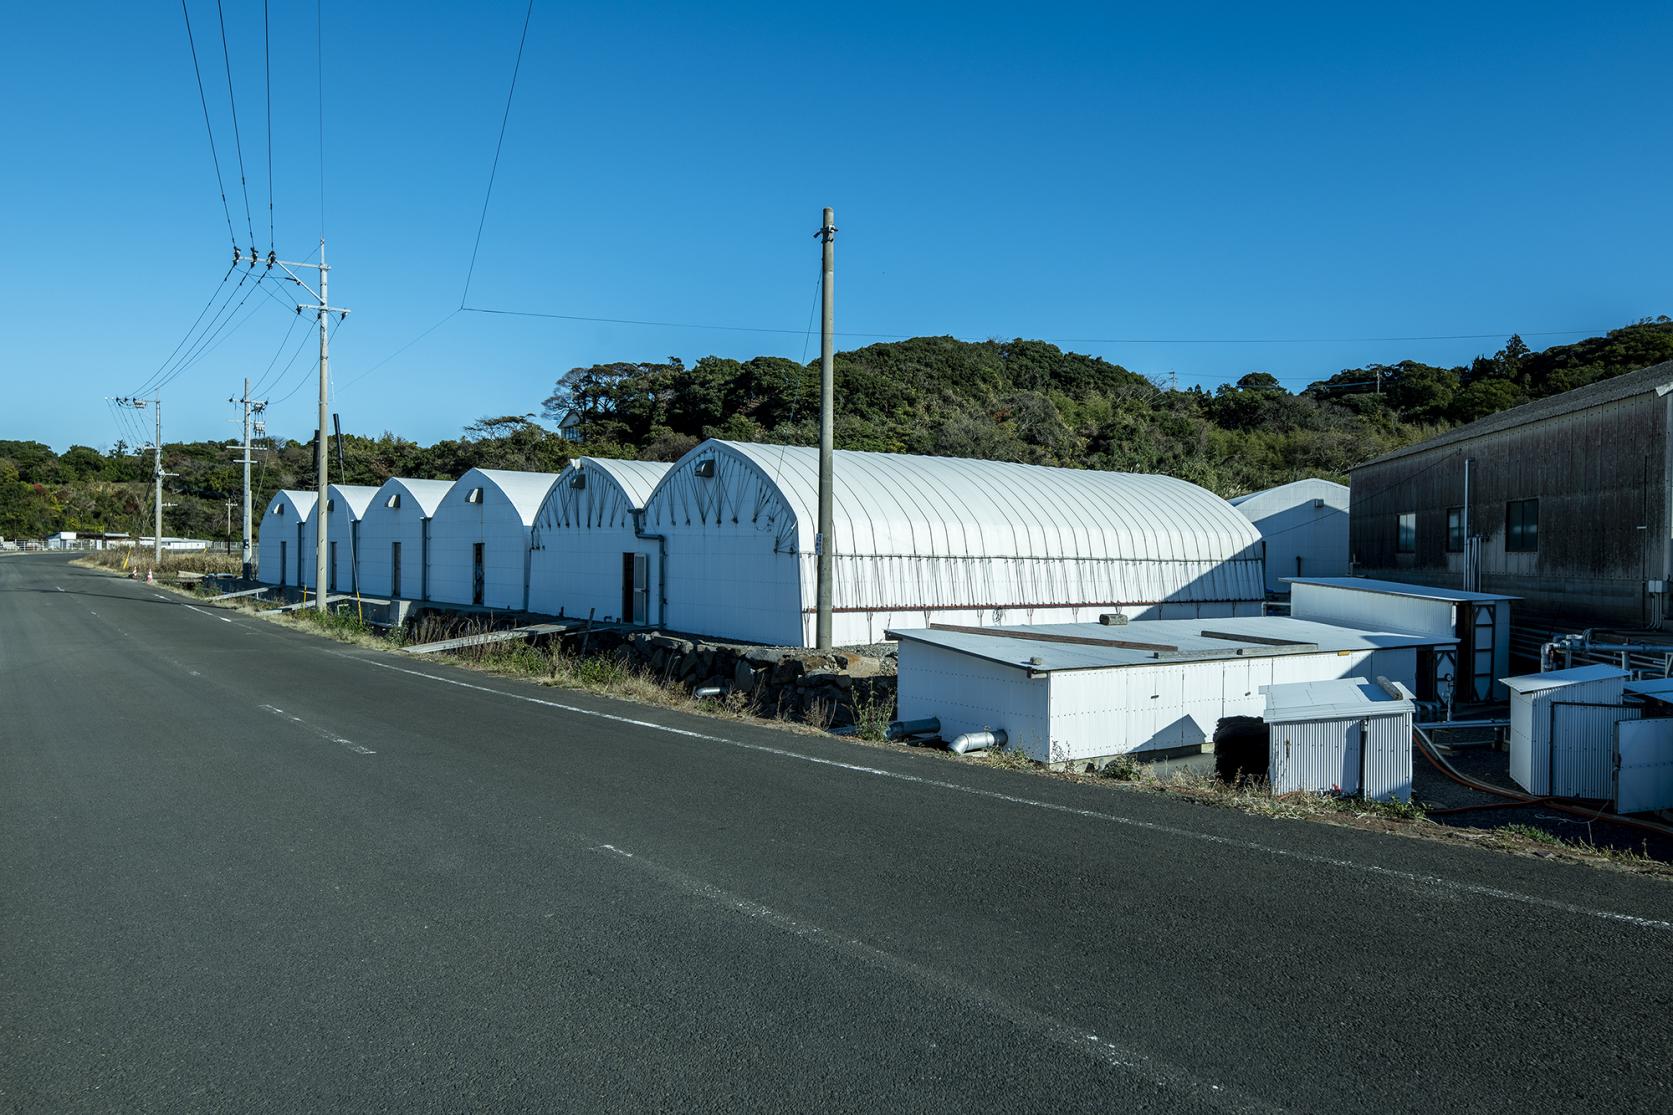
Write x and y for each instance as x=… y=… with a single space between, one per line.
x=1600 y=477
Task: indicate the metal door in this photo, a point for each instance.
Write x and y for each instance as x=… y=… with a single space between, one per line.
x=283 y=557
x=1643 y=766
x=299 y=548
x=331 y=580
x=477 y=577
x=395 y=570
x=641 y=589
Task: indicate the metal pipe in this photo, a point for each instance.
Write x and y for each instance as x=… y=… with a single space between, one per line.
x=900 y=729
x=977 y=741
x=661 y=541
x=708 y=691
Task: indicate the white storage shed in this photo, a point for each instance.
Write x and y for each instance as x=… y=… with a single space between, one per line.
x=922 y=539
x=1085 y=692
x=1346 y=735
x=1644 y=750
x=280 y=540
x=1563 y=730
x=479 y=538
x=1304 y=529
x=1478 y=622
x=587 y=554
x=345 y=504
x=395 y=538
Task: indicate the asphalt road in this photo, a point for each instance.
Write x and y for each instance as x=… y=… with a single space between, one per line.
x=243 y=868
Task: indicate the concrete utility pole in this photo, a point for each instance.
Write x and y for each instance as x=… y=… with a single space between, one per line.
x=324 y=309
x=250 y=406
x=824 y=543
x=157 y=475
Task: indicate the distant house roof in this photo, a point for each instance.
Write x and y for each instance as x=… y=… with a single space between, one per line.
x=1398 y=588
x=1185 y=640
x=1657 y=377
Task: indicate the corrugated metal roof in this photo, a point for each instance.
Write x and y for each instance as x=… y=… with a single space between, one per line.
x=523 y=490
x=1400 y=588
x=1016 y=647
x=301 y=501
x=1645 y=380
x=358 y=497
x=636 y=479
x=1552 y=679
x=898 y=503
x=1335 y=699
x=426 y=495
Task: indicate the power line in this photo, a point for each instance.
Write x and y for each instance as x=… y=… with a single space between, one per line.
x=498 y=145
x=267 y=58
x=220 y=183
x=451 y=314
x=338 y=324
x=189 y=330
x=238 y=141
x=279 y=379
x=261 y=381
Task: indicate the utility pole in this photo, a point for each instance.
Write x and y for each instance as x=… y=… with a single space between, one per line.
x=250 y=406
x=157 y=475
x=323 y=307
x=824 y=543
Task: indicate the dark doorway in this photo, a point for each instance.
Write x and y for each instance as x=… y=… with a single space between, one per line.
x=476 y=574
x=284 y=558
x=395 y=570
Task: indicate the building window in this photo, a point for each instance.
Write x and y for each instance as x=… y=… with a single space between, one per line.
x=1455 y=530
x=1405 y=536
x=1522 y=526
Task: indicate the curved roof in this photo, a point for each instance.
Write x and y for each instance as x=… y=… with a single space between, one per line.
x=424 y=494
x=1311 y=487
x=302 y=500
x=358 y=497
x=523 y=490
x=900 y=504
x=636 y=479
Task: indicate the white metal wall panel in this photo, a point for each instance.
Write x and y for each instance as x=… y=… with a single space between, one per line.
x=346 y=503
x=501 y=522
x=1301 y=538
x=973 y=695
x=1375 y=611
x=580 y=534
x=382 y=526
x=1329 y=756
x=1388 y=758
x=1644 y=766
x=278 y=524
x=1583 y=748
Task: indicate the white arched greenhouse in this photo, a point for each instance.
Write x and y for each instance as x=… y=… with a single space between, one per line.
x=479 y=538
x=1304 y=528
x=279 y=542
x=922 y=540
x=586 y=556
x=395 y=538
x=344 y=505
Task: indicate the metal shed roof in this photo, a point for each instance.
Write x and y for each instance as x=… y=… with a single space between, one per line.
x=1335 y=699
x=1400 y=588
x=903 y=504
x=1265 y=636
x=302 y=501
x=1306 y=489
x=636 y=479
x=1657 y=377
x=1659 y=689
x=424 y=494
x=523 y=490
x=1553 y=679
x=357 y=497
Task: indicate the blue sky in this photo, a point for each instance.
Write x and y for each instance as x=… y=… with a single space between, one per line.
x=1170 y=185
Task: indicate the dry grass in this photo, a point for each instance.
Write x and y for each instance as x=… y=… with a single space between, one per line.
x=138 y=557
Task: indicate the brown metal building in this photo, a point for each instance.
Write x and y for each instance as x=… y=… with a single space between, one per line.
x=1568 y=502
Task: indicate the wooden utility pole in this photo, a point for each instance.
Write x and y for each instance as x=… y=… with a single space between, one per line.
x=824 y=543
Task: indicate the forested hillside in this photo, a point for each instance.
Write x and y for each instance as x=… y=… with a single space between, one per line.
x=1008 y=400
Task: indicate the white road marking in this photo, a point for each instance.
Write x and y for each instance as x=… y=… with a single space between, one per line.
x=159 y=596
x=321 y=732
x=211 y=615
x=1155 y=1071
x=60 y=588
x=1420 y=879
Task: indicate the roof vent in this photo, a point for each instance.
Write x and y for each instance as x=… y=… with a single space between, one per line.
x=394 y=500
x=578 y=481
x=1318 y=504
x=474 y=496
x=705 y=468
x=330 y=506
x=1113 y=619
x=278 y=509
